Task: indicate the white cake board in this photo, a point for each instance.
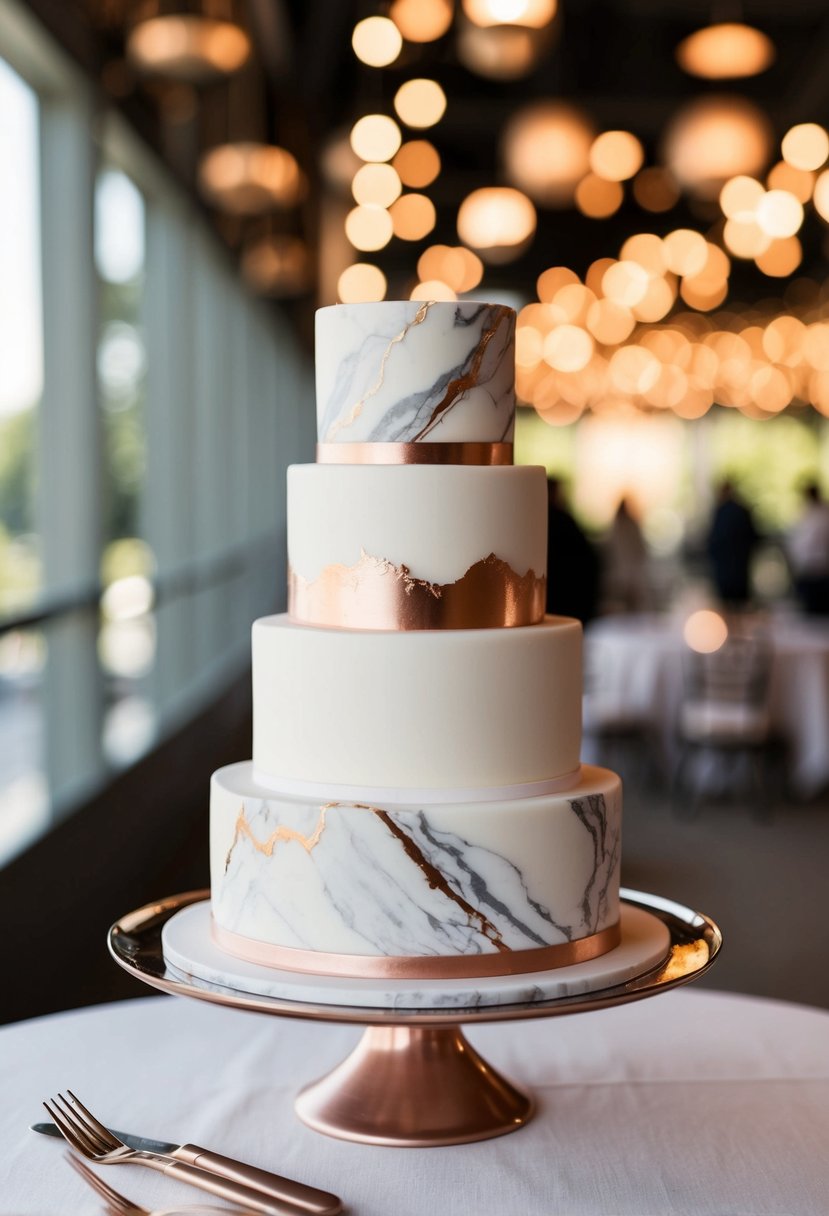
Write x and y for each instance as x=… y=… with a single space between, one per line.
x=189 y=948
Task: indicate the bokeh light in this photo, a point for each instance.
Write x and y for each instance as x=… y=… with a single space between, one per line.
x=368 y=228
x=499 y=52
x=420 y=103
x=546 y=149
x=375 y=137
x=686 y=251
x=531 y=13
x=805 y=146
x=376 y=184
x=714 y=138
x=782 y=257
x=248 y=178
x=417 y=163
x=434 y=289
x=799 y=182
x=725 y=51
x=497 y=221
x=625 y=283
x=568 y=348
x=361 y=283
x=740 y=197
x=597 y=197
x=376 y=41
x=616 y=156
x=705 y=631
x=460 y=268
x=422 y=20
x=779 y=213
x=413 y=217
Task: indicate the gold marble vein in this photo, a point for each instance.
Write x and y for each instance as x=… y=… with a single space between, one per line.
x=357 y=408
x=279 y=835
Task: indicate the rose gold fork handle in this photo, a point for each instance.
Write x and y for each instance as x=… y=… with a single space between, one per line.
x=307 y=1198
x=242 y=1196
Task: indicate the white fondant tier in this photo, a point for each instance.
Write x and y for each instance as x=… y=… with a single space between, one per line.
x=467 y=879
x=443 y=709
x=416 y=546
x=412 y=371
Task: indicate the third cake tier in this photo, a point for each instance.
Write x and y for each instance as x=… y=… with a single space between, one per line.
x=449 y=709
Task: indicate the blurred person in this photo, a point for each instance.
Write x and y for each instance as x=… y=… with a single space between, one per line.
x=807 y=546
x=625 y=562
x=732 y=540
x=572 y=562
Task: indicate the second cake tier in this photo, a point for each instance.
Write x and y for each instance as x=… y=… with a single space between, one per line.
x=440 y=710
x=416 y=546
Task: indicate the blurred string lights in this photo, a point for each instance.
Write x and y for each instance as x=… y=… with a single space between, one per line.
x=245 y=177
x=648 y=328
x=496 y=224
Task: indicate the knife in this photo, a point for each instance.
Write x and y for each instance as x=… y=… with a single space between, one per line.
x=305 y=1198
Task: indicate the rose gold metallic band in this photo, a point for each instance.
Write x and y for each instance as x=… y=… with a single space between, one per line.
x=432 y=966
x=375 y=594
x=414 y=453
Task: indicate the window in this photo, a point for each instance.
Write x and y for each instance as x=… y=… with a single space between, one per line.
x=148 y=408
x=23 y=787
x=127 y=637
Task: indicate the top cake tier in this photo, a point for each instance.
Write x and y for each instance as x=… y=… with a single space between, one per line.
x=416 y=372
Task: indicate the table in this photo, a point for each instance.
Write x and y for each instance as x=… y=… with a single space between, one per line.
x=694 y=1102
x=635 y=664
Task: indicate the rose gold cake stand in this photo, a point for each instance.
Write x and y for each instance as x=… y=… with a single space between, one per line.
x=414 y=1080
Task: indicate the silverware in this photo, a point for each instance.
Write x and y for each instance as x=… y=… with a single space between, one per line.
x=307 y=1198
x=92 y=1139
x=118 y=1204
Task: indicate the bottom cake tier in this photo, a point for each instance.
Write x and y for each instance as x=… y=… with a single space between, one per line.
x=348 y=888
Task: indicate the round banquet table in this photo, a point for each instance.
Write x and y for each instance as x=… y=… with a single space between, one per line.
x=695 y=1102
x=634 y=666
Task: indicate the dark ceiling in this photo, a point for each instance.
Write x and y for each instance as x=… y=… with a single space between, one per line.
x=614 y=58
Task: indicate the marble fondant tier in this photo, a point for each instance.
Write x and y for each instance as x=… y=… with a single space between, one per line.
x=416 y=546
x=445 y=709
x=459 y=880
x=415 y=371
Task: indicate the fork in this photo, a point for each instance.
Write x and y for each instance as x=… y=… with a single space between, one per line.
x=91 y=1139
x=118 y=1204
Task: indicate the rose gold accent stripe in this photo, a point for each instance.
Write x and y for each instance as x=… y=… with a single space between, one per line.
x=424 y=967
x=415 y=453
x=375 y=594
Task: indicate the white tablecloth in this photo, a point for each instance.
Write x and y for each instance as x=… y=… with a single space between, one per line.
x=634 y=663
x=690 y=1102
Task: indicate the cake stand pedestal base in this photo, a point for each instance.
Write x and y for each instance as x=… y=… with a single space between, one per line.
x=414 y=1087
x=413 y=1080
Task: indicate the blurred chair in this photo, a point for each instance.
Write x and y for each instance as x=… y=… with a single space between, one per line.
x=618 y=731
x=724 y=716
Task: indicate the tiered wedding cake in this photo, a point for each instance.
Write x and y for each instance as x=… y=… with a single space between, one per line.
x=415 y=804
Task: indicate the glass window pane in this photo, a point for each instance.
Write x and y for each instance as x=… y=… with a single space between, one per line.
x=21 y=342
x=24 y=794
x=126 y=642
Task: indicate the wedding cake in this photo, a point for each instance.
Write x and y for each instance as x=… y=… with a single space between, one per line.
x=415 y=804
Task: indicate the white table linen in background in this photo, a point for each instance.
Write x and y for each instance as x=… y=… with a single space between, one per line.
x=691 y=1102
x=634 y=668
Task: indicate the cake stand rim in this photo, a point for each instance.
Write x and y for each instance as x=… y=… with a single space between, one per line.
x=134 y=941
